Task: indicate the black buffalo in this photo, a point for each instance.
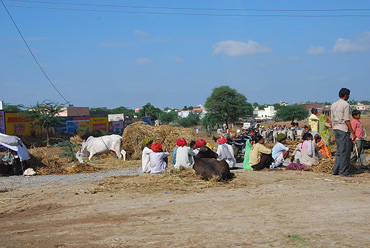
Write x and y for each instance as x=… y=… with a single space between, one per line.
x=208 y=168
x=206 y=152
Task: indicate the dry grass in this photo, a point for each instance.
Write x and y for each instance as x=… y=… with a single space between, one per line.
x=135 y=133
x=181 y=180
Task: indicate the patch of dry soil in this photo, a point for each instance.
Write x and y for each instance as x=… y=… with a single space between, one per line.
x=274 y=209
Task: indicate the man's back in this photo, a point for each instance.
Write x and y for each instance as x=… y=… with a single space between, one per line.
x=339 y=114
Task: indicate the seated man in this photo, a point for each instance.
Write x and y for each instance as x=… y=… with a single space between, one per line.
x=260 y=156
x=280 y=152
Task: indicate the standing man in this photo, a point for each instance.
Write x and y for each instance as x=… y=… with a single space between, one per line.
x=340 y=111
x=313 y=121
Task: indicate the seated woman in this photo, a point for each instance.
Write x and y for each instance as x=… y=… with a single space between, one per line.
x=260 y=156
x=158 y=159
x=309 y=151
x=226 y=152
x=324 y=148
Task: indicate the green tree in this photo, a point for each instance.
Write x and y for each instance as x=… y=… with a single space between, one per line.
x=122 y=110
x=292 y=112
x=45 y=115
x=148 y=110
x=209 y=122
x=277 y=106
x=167 y=117
x=226 y=105
x=191 y=120
x=14 y=108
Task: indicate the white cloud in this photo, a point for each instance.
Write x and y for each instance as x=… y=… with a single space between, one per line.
x=346 y=79
x=316 y=78
x=359 y=44
x=293 y=58
x=143 y=61
x=239 y=48
x=114 y=44
x=315 y=50
x=139 y=32
x=180 y=60
x=34 y=38
x=11 y=84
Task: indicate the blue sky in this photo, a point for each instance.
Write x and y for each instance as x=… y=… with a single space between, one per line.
x=112 y=57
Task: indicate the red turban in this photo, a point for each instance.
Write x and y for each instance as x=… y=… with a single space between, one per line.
x=181 y=142
x=156 y=147
x=200 y=142
x=222 y=140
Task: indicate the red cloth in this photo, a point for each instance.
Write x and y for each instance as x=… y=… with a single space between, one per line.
x=181 y=142
x=222 y=140
x=156 y=147
x=200 y=142
x=357 y=128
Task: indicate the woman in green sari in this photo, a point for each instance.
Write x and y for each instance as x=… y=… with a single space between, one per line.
x=323 y=129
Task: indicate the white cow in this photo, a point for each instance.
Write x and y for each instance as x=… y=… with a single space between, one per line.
x=290 y=134
x=100 y=145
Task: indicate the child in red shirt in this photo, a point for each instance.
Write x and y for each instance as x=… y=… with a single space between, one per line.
x=358 y=149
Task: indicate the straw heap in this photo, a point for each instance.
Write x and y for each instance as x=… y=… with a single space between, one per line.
x=135 y=133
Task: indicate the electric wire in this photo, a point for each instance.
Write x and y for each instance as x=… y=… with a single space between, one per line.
x=188 y=8
x=34 y=57
x=191 y=14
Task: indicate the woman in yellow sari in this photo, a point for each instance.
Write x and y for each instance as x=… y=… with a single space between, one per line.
x=323 y=129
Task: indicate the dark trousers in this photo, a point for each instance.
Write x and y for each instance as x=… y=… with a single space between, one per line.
x=343 y=141
x=265 y=162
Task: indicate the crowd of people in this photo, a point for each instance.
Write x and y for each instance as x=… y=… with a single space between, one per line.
x=314 y=146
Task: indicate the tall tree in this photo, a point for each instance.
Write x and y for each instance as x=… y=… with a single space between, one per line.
x=292 y=112
x=226 y=105
x=167 y=117
x=148 y=110
x=45 y=115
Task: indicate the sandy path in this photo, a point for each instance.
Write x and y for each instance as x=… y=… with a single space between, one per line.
x=277 y=209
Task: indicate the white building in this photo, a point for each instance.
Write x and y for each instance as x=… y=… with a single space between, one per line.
x=265 y=114
x=199 y=109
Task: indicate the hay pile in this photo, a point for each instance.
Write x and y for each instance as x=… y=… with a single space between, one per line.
x=324 y=166
x=181 y=180
x=135 y=133
x=47 y=160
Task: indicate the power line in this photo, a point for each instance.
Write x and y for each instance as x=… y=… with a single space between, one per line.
x=29 y=49
x=190 y=14
x=188 y=8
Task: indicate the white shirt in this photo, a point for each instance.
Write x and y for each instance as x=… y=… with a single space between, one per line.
x=228 y=154
x=157 y=164
x=145 y=160
x=184 y=157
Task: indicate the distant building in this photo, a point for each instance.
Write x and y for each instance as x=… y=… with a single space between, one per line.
x=199 y=109
x=74 y=111
x=362 y=107
x=321 y=107
x=267 y=113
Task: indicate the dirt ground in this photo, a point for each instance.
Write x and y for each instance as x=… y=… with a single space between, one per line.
x=256 y=209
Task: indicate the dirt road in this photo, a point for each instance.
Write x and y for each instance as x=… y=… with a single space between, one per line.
x=273 y=209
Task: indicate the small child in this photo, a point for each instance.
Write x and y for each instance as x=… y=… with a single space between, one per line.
x=280 y=152
x=358 y=149
x=158 y=159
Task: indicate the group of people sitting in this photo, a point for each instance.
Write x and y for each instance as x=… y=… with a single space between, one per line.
x=303 y=156
x=155 y=160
